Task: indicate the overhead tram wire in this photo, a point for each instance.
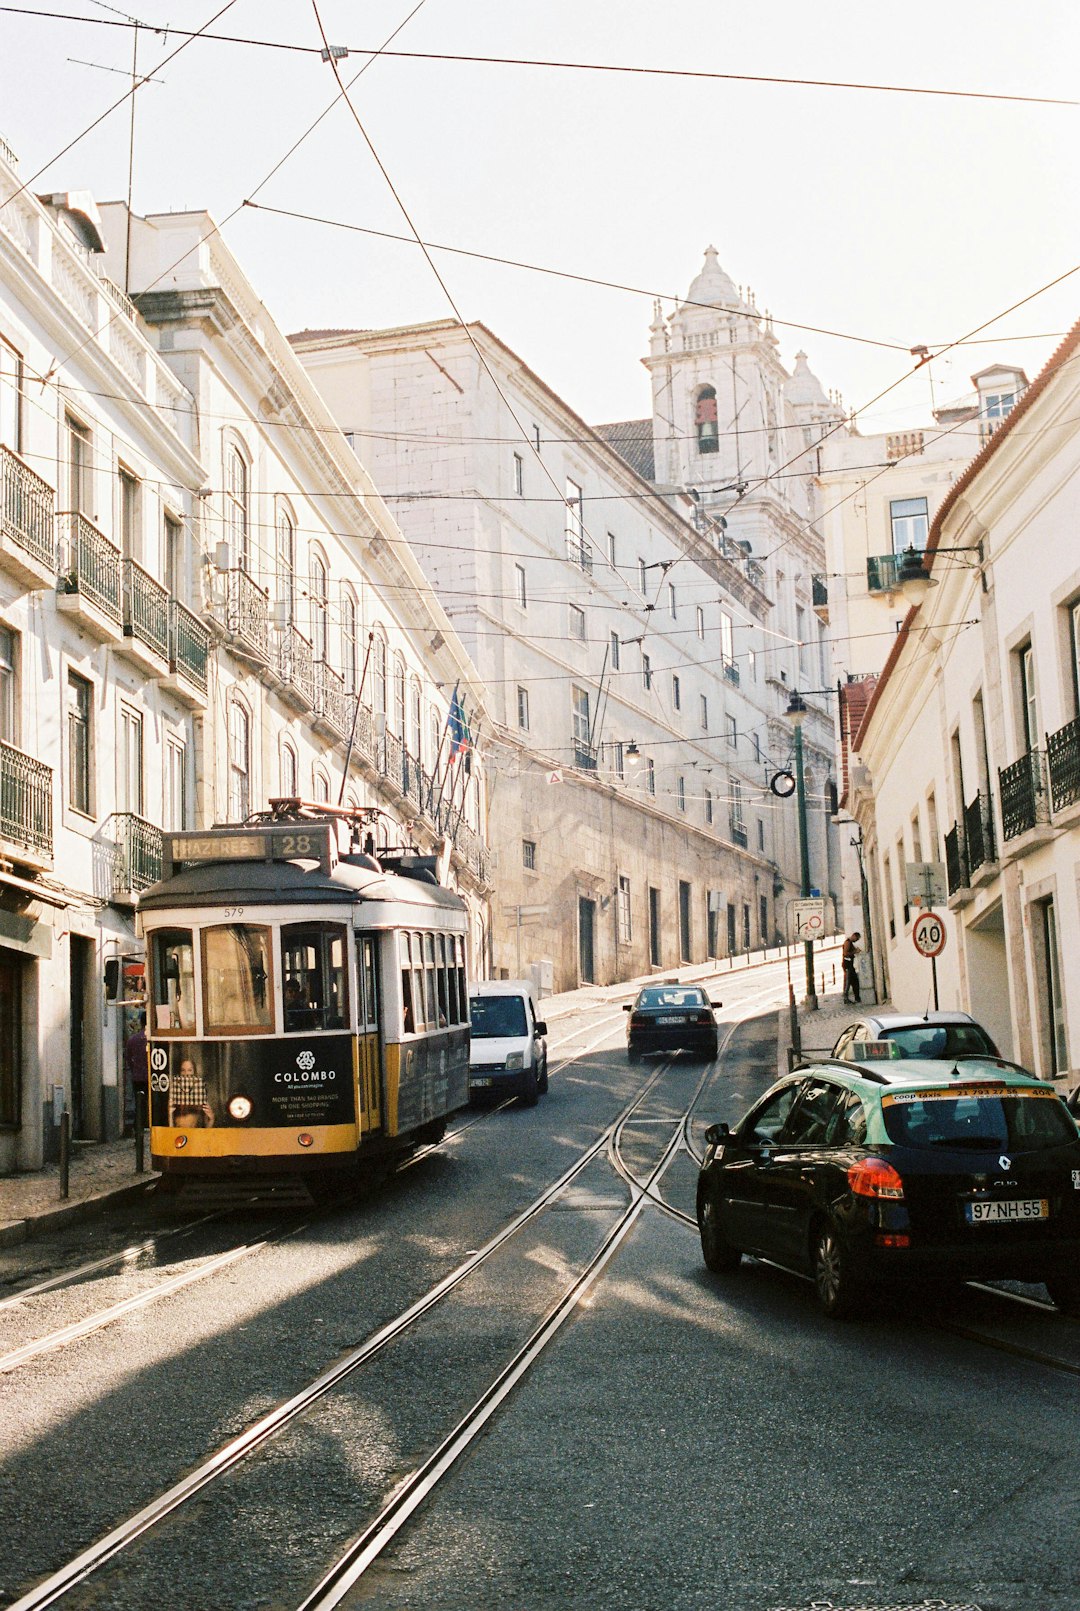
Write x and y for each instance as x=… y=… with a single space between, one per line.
x=614 y=68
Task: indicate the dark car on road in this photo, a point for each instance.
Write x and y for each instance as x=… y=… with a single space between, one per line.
x=898 y=1170
x=931 y=1034
x=671 y=1018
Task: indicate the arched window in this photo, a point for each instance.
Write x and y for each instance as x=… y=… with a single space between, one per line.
x=708 y=440
x=237 y=510
x=435 y=731
x=349 y=663
x=399 y=697
x=378 y=672
x=289 y=772
x=320 y=785
x=239 y=802
x=318 y=606
x=286 y=564
x=415 y=720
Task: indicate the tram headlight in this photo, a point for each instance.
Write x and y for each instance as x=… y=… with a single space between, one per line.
x=240 y=1107
x=514 y=1061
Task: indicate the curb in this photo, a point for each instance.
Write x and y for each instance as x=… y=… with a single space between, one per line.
x=21 y=1230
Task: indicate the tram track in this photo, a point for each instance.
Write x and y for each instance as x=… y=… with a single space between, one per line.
x=51 y=1590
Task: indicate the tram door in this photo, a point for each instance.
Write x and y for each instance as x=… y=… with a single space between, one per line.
x=369 y=1021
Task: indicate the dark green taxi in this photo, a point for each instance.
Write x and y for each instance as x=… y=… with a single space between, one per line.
x=895 y=1170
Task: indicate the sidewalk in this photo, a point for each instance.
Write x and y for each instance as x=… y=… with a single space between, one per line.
x=820 y=1030
x=104 y=1172
x=100 y=1172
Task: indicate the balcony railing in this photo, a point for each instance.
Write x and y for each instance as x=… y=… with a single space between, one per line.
x=1024 y=798
x=138 y=852
x=819 y=592
x=955 y=859
x=738 y=832
x=978 y=833
x=413 y=780
x=296 y=664
x=190 y=646
x=333 y=704
x=579 y=553
x=584 y=755
x=731 y=671
x=1063 y=755
x=146 y=609
x=26 y=509
x=91 y=565
x=247 y=613
x=881 y=571
x=26 y=796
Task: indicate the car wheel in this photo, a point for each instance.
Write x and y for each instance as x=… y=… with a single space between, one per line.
x=716 y=1250
x=838 y=1288
x=1065 y=1291
x=543 y=1078
x=530 y=1091
x=633 y=1055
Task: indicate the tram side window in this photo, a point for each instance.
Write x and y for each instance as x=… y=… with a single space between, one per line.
x=236 y=978
x=446 y=1015
x=173 y=982
x=313 y=976
x=463 y=996
x=436 y=1020
x=418 y=1000
x=408 y=1018
x=368 y=1013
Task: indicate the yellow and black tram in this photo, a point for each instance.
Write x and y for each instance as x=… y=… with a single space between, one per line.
x=307 y=1007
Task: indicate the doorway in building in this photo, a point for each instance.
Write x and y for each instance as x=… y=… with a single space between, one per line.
x=988 y=978
x=82 y=952
x=586 y=938
x=11 y=976
x=713 y=923
x=654 y=927
x=685 y=954
x=731 y=930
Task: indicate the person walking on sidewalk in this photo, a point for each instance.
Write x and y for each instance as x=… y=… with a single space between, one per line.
x=851 y=973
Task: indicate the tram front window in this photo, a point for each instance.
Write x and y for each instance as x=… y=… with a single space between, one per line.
x=313 y=976
x=236 y=979
x=173 y=982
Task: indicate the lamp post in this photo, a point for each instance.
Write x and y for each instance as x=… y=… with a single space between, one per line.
x=796 y=714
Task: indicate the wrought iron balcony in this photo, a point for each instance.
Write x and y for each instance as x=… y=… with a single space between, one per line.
x=146 y=609
x=138 y=853
x=819 y=593
x=584 y=755
x=296 y=665
x=882 y=569
x=738 y=832
x=332 y=704
x=26 y=797
x=1063 y=755
x=414 y=780
x=978 y=833
x=473 y=851
x=189 y=646
x=731 y=672
x=392 y=760
x=955 y=859
x=90 y=566
x=1024 y=798
x=26 y=510
x=247 y=614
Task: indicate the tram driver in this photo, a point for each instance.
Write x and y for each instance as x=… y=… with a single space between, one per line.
x=188 y=1102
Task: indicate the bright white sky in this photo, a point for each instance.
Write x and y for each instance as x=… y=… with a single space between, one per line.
x=903 y=218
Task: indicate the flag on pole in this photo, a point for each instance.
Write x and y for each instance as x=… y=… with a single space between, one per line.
x=458 y=728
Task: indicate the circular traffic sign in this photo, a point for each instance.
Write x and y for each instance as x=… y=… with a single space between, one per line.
x=929 y=934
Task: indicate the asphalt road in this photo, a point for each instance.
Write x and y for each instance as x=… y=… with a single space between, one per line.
x=684 y=1441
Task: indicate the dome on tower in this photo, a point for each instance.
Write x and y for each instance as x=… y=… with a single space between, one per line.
x=804 y=387
x=712 y=286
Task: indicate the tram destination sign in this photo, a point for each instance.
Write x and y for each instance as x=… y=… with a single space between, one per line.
x=300 y=841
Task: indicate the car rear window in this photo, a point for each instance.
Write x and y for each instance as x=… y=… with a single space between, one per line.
x=999 y=1117
x=496 y=1017
x=671 y=998
x=941 y=1040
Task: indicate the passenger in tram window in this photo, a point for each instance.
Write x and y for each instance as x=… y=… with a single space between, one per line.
x=189 y=1105
x=299 y=1013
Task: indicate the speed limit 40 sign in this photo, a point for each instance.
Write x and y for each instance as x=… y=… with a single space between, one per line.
x=928 y=933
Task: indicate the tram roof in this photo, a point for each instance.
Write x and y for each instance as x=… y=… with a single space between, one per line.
x=291 y=883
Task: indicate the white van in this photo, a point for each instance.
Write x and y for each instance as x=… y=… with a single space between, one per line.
x=508 y=1050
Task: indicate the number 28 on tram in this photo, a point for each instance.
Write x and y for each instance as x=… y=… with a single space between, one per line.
x=304 y=1009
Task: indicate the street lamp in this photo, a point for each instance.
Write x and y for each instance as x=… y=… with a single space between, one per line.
x=914 y=581
x=796 y=714
x=633 y=754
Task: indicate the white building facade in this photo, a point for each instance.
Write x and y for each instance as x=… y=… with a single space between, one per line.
x=970 y=748
x=625 y=650
x=203 y=605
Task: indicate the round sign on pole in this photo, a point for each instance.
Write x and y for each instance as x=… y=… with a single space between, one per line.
x=928 y=934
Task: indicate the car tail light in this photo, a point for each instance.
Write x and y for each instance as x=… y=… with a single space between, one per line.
x=703 y=1018
x=637 y=1021
x=892 y=1239
x=873 y=1177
